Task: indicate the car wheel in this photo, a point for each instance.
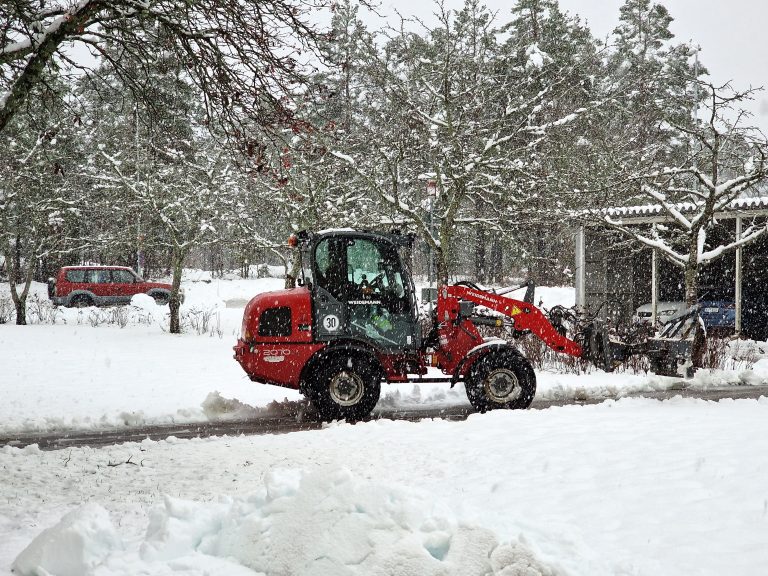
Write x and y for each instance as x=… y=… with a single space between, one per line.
x=161 y=298
x=81 y=301
x=501 y=379
x=346 y=387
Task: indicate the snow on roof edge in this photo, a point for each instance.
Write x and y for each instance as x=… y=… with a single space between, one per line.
x=756 y=203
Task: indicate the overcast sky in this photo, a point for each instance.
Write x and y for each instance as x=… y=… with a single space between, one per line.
x=731 y=33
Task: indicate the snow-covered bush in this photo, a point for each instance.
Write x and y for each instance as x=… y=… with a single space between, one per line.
x=727 y=353
x=7 y=309
x=41 y=310
x=200 y=321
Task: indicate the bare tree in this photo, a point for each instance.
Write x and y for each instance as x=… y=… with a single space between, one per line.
x=726 y=160
x=188 y=200
x=453 y=128
x=247 y=57
x=40 y=197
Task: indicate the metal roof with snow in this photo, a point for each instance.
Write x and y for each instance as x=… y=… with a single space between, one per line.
x=757 y=206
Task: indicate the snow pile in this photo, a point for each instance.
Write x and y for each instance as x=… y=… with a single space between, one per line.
x=757 y=376
x=434 y=396
x=217 y=408
x=329 y=522
x=73 y=547
x=634 y=486
x=145 y=303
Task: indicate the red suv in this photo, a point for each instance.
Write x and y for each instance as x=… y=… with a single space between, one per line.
x=81 y=286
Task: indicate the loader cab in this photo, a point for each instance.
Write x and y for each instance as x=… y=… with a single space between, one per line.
x=362 y=289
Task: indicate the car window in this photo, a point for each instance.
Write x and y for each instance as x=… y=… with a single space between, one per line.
x=75 y=275
x=122 y=277
x=97 y=276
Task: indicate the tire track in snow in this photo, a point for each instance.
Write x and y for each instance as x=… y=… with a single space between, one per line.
x=301 y=421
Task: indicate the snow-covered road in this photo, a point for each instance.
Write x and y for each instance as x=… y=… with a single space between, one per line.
x=636 y=487
x=285 y=417
x=75 y=376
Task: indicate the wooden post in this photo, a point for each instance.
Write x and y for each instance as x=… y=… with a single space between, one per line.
x=580 y=280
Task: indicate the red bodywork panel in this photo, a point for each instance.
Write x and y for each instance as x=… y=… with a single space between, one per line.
x=277 y=359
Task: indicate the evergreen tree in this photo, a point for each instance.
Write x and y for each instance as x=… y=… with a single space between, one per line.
x=553 y=59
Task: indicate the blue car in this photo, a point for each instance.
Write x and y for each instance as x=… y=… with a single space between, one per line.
x=718 y=313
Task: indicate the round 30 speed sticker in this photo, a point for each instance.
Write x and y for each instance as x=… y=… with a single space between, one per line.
x=331 y=322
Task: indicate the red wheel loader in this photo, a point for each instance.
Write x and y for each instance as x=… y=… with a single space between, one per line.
x=353 y=323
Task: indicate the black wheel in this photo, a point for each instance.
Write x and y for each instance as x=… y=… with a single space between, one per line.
x=346 y=387
x=501 y=379
x=81 y=301
x=161 y=299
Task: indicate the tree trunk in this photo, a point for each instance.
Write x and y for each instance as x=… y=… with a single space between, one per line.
x=175 y=303
x=441 y=264
x=13 y=260
x=691 y=299
x=480 y=268
x=497 y=262
x=16 y=277
x=292 y=266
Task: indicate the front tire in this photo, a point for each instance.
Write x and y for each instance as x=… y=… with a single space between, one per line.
x=346 y=387
x=501 y=379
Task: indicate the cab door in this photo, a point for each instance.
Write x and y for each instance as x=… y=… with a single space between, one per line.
x=329 y=294
x=362 y=291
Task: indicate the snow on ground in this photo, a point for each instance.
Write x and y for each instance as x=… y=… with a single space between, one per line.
x=85 y=371
x=629 y=487
x=632 y=487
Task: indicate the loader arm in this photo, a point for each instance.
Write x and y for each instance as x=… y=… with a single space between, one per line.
x=524 y=314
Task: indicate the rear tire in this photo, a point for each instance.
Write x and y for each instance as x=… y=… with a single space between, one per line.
x=81 y=301
x=501 y=379
x=346 y=387
x=161 y=299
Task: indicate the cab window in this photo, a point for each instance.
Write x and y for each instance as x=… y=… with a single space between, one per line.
x=352 y=269
x=331 y=267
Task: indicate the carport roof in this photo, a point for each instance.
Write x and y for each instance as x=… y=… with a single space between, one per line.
x=754 y=206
